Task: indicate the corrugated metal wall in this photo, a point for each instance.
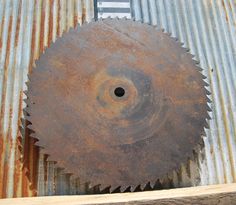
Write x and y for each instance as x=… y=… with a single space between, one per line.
x=26 y=28
x=208 y=29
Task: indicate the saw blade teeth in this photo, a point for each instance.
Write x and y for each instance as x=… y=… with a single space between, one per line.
x=208 y=116
x=152 y=184
x=162 y=30
x=177 y=40
x=33 y=135
x=209 y=108
x=132 y=188
x=105 y=190
x=31 y=132
x=137 y=189
x=199 y=149
x=142 y=186
x=195 y=151
x=199 y=68
x=209 y=100
x=116 y=190
x=187 y=50
x=147 y=187
x=123 y=188
x=128 y=189
x=197 y=62
x=29 y=126
x=207 y=92
x=27 y=84
x=204 y=133
x=206 y=84
x=27 y=117
x=26 y=112
x=26 y=92
x=27 y=101
x=158 y=185
x=95 y=190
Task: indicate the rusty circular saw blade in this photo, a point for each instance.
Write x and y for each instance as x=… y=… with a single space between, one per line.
x=117 y=103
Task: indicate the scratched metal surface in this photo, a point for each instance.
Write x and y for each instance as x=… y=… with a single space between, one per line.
x=208 y=29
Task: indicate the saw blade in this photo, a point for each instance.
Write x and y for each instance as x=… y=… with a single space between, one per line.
x=117 y=103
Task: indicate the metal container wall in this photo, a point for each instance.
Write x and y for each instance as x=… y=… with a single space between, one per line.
x=208 y=29
x=26 y=28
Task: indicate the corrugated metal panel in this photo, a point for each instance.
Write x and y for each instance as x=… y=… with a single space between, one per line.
x=208 y=29
x=26 y=28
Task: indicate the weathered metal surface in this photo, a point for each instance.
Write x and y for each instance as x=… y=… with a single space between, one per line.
x=26 y=27
x=121 y=95
x=207 y=27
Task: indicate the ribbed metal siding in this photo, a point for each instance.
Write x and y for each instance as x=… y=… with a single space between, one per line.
x=26 y=28
x=208 y=29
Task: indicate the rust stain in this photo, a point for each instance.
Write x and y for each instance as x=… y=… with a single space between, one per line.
x=18 y=24
x=1 y=159
x=58 y=19
x=230 y=6
x=5 y=152
x=75 y=19
x=33 y=42
x=50 y=26
x=226 y=13
x=18 y=167
x=30 y=162
x=84 y=14
x=4 y=181
x=19 y=151
x=42 y=36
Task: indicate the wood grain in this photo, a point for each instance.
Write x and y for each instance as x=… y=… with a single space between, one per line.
x=224 y=194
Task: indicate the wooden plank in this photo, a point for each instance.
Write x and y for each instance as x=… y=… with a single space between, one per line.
x=204 y=195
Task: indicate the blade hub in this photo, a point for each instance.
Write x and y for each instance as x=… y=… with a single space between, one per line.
x=119 y=92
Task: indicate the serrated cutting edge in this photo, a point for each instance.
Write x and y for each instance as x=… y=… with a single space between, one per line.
x=112 y=26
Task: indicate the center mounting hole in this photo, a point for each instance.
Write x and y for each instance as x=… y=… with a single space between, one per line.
x=119 y=92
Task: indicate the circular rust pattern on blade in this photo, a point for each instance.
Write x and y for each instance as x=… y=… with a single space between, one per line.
x=109 y=139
